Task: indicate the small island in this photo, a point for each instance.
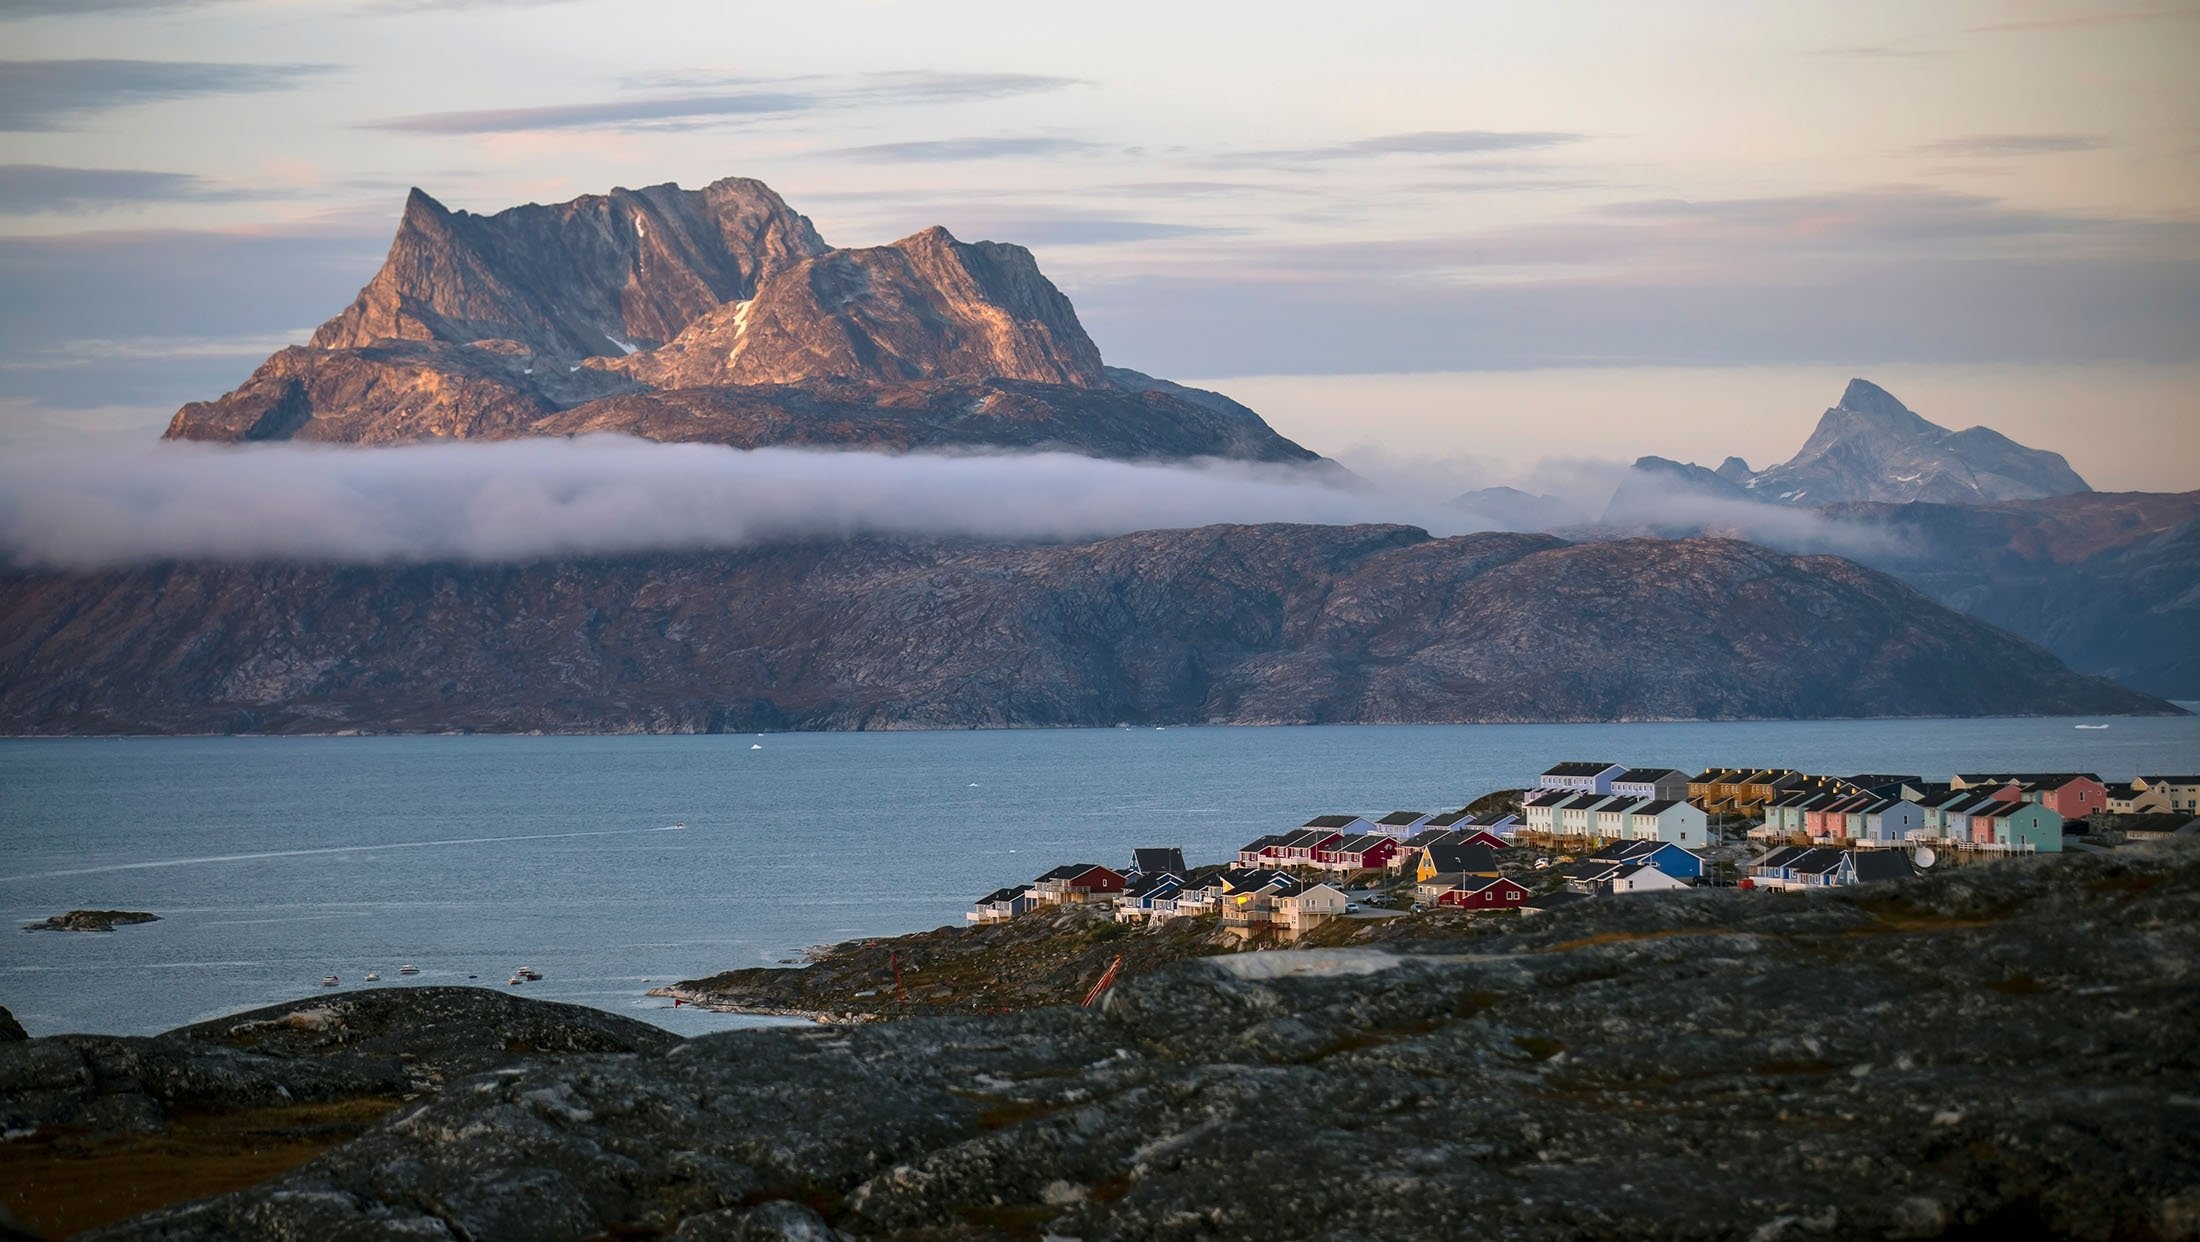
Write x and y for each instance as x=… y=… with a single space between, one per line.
x=92 y=920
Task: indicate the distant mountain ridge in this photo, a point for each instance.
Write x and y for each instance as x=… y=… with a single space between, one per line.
x=1223 y=624
x=652 y=312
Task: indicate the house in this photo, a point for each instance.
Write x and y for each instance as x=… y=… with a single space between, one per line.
x=1256 y=852
x=2158 y=827
x=1552 y=901
x=1001 y=905
x=1644 y=880
x=1342 y=825
x=1669 y=820
x=1591 y=875
x=1581 y=777
x=2021 y=827
x=1785 y=813
x=1609 y=821
x=1666 y=856
x=1539 y=811
x=1577 y=817
x=1077 y=882
x=2073 y=795
x=1484 y=893
x=1889 y=785
x=1890 y=821
x=1872 y=866
x=2137 y=798
x=1652 y=784
x=1368 y=852
x=1308 y=907
x=1740 y=791
x=1828 y=818
x=1448 y=821
x=1812 y=867
x=1402 y=824
x=2182 y=792
x=1236 y=882
x=1297 y=849
x=1455 y=860
x=1158 y=862
x=1948 y=815
x=1251 y=908
x=1148 y=897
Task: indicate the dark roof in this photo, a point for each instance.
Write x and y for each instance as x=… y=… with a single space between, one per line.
x=1659 y=807
x=1590 y=869
x=1153 y=860
x=2052 y=780
x=1547 y=797
x=1308 y=838
x=1582 y=802
x=1782 y=857
x=1874 y=865
x=1874 y=780
x=1552 y=900
x=1362 y=843
x=999 y=895
x=1403 y=817
x=2152 y=821
x=1817 y=861
x=1261 y=843
x=1579 y=767
x=1330 y=821
x=1648 y=776
x=1068 y=871
x=1448 y=818
x=2170 y=780
x=1462 y=857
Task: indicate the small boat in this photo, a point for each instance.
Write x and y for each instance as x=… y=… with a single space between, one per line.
x=328 y=981
x=528 y=973
x=2089 y=726
x=373 y=977
x=514 y=981
x=756 y=746
x=408 y=970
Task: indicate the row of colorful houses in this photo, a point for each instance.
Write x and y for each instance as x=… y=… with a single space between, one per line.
x=1613 y=817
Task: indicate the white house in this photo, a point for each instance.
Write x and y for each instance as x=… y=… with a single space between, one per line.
x=1669 y=820
x=1611 y=818
x=1652 y=784
x=1891 y=822
x=1577 y=817
x=1539 y=810
x=1581 y=777
x=1309 y=907
x=1644 y=880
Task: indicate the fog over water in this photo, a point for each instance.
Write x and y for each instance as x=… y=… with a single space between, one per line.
x=607 y=495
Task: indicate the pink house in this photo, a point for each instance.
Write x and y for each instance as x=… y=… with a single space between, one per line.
x=2072 y=795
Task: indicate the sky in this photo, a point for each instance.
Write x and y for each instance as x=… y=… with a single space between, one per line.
x=1456 y=242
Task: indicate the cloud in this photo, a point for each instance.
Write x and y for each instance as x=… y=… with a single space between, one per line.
x=950 y=149
x=2013 y=144
x=1878 y=51
x=2083 y=21
x=759 y=98
x=538 y=499
x=1419 y=142
x=28 y=189
x=72 y=8
x=46 y=94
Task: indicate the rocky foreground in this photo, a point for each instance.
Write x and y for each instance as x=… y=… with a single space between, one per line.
x=2004 y=1051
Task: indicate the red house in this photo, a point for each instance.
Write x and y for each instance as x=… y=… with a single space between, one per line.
x=1368 y=852
x=1477 y=894
x=1078 y=882
x=2072 y=795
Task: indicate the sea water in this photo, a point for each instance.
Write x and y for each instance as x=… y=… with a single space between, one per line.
x=612 y=864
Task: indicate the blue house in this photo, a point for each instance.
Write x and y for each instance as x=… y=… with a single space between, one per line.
x=1674 y=861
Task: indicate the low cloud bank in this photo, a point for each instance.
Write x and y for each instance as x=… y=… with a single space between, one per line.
x=600 y=496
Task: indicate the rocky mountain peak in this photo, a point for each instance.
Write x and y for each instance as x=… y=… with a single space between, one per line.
x=1872 y=447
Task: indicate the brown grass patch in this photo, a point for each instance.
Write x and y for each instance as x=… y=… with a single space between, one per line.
x=61 y=1183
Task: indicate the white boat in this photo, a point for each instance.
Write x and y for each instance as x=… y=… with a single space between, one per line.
x=328 y=981
x=408 y=970
x=514 y=981
x=2089 y=726
x=756 y=746
x=528 y=973
x=373 y=977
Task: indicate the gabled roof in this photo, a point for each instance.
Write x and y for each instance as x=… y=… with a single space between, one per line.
x=2170 y=780
x=1449 y=819
x=1001 y=896
x=1549 y=901
x=1462 y=858
x=1150 y=861
x=1579 y=768
x=1817 y=861
x=1070 y=871
x=1261 y=843
x=1874 y=865
x=1475 y=884
x=1582 y=802
x=1362 y=843
x=1657 y=807
x=1329 y=821
x=1621 y=805
x=1648 y=776
x=1548 y=797
x=1309 y=838
x=2045 y=780
x=1783 y=856
x=1591 y=869
x=1402 y=818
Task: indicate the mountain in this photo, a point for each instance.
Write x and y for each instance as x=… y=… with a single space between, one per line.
x=1266 y=624
x=2108 y=581
x=714 y=314
x=1509 y=508
x=1871 y=447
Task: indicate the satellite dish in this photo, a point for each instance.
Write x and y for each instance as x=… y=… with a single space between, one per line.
x=1924 y=857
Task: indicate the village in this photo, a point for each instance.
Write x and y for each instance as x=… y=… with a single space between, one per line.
x=1591 y=829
